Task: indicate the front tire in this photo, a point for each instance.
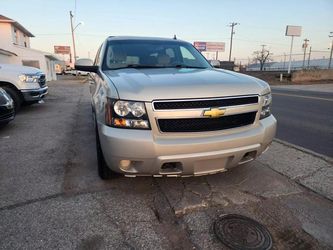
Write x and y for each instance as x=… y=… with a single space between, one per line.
x=104 y=171
x=15 y=96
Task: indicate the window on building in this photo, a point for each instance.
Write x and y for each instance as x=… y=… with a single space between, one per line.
x=25 y=40
x=31 y=63
x=15 y=36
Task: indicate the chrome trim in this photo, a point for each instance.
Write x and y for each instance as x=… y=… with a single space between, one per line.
x=34 y=90
x=203 y=99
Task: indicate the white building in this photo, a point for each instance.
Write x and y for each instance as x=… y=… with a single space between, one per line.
x=15 y=48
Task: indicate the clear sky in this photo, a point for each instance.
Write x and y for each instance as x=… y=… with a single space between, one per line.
x=261 y=22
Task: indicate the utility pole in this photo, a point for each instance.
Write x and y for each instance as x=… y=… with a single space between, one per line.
x=284 y=61
x=330 y=36
x=305 y=45
x=72 y=30
x=232 y=25
x=73 y=38
x=309 y=57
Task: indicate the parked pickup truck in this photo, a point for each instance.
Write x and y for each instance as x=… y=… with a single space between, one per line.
x=161 y=109
x=23 y=84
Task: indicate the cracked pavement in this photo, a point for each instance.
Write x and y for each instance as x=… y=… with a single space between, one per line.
x=52 y=198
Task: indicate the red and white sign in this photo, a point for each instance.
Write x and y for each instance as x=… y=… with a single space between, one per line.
x=210 y=46
x=62 y=50
x=215 y=47
x=201 y=46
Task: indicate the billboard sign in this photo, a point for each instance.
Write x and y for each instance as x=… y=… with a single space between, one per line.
x=215 y=47
x=62 y=50
x=293 y=30
x=210 y=46
x=201 y=46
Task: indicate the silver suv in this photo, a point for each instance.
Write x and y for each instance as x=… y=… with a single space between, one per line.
x=161 y=109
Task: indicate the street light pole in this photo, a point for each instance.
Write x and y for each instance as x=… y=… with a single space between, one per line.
x=305 y=45
x=284 y=61
x=232 y=25
x=73 y=38
x=291 y=50
x=330 y=36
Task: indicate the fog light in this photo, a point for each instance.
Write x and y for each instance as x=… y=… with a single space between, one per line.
x=125 y=164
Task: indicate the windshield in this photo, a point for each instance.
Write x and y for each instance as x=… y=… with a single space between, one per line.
x=152 y=54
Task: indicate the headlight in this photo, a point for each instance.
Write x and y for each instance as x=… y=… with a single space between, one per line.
x=138 y=109
x=121 y=108
x=126 y=114
x=266 y=106
x=29 y=78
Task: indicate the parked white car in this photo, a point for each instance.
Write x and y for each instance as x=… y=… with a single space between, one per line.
x=24 y=84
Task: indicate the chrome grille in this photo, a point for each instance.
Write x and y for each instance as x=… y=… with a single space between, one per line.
x=205 y=103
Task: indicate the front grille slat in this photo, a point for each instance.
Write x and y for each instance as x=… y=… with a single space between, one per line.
x=196 y=104
x=42 y=80
x=206 y=124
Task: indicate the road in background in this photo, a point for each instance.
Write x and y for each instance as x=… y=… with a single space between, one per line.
x=305 y=118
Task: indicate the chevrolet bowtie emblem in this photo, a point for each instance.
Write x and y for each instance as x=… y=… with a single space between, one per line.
x=214 y=112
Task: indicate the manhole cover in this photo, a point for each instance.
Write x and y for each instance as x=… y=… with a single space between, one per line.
x=240 y=232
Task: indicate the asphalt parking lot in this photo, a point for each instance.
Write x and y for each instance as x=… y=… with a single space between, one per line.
x=51 y=196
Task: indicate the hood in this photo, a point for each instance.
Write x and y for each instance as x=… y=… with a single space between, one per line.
x=172 y=83
x=19 y=69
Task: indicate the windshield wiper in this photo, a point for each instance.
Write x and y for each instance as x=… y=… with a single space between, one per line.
x=138 y=66
x=188 y=66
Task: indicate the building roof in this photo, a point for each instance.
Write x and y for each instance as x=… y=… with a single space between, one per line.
x=4 y=19
x=7 y=52
x=52 y=57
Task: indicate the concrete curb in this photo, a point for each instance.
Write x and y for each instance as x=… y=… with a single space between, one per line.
x=305 y=150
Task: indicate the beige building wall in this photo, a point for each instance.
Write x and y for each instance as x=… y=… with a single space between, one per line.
x=15 y=41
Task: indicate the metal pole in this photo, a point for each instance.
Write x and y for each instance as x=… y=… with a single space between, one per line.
x=232 y=25
x=284 y=60
x=217 y=55
x=305 y=45
x=329 y=64
x=291 y=50
x=73 y=38
x=309 y=57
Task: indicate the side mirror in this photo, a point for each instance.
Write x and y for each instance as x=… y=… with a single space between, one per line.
x=215 y=63
x=85 y=64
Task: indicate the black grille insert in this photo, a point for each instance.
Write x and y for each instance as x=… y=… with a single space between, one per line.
x=206 y=124
x=42 y=80
x=196 y=104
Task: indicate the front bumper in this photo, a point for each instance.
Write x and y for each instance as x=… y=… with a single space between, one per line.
x=34 y=94
x=183 y=155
